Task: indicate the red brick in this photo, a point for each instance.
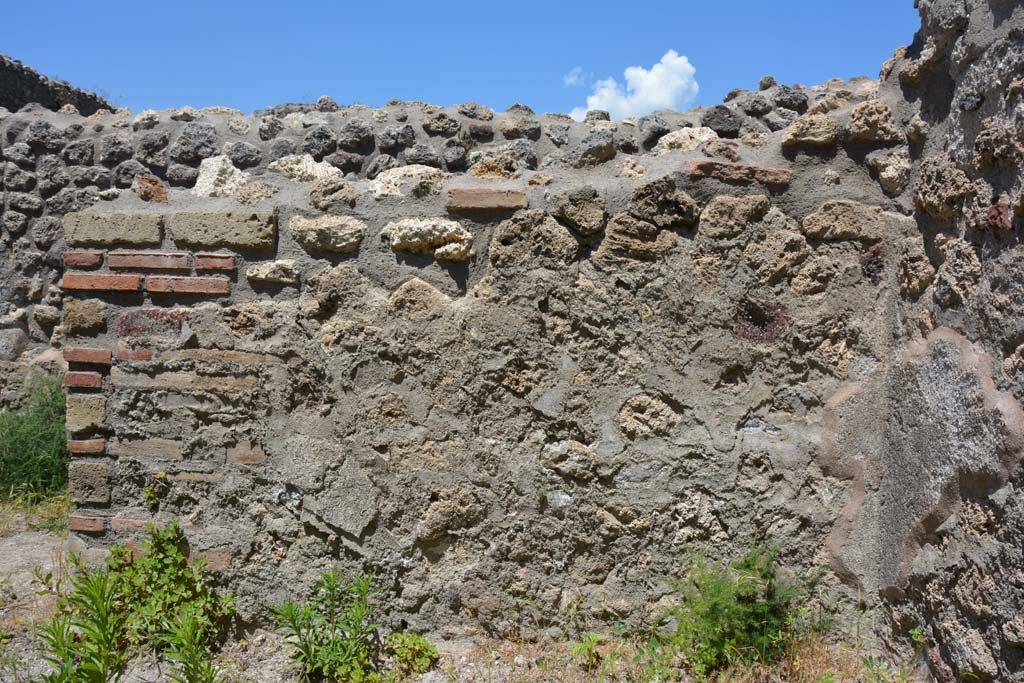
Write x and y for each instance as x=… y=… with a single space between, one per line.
x=245 y=454
x=485 y=199
x=217 y=559
x=82 y=380
x=154 y=260
x=82 y=259
x=742 y=174
x=81 y=354
x=124 y=353
x=151 y=322
x=87 y=446
x=88 y=525
x=128 y=524
x=208 y=261
x=188 y=285
x=110 y=283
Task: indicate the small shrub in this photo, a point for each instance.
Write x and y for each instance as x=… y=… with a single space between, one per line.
x=586 y=651
x=411 y=653
x=33 y=444
x=186 y=639
x=161 y=583
x=741 y=611
x=158 y=601
x=333 y=634
x=334 y=637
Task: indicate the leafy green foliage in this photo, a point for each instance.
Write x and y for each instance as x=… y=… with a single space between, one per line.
x=33 y=444
x=157 y=601
x=186 y=639
x=741 y=611
x=333 y=634
x=161 y=582
x=586 y=652
x=334 y=637
x=86 y=637
x=411 y=653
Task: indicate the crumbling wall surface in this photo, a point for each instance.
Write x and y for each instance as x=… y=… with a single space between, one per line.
x=519 y=365
x=21 y=85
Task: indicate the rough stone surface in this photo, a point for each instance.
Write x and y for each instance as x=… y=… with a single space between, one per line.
x=340 y=234
x=82 y=229
x=242 y=230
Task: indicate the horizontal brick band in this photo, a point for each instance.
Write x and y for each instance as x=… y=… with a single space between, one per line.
x=126 y=354
x=485 y=199
x=188 y=285
x=81 y=354
x=109 y=283
x=206 y=261
x=87 y=525
x=83 y=380
x=83 y=259
x=87 y=446
x=155 y=260
x=128 y=524
x=739 y=173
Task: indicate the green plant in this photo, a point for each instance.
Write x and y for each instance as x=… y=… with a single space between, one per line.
x=586 y=652
x=411 y=653
x=86 y=636
x=154 y=491
x=160 y=582
x=918 y=638
x=333 y=634
x=157 y=601
x=741 y=611
x=33 y=443
x=186 y=639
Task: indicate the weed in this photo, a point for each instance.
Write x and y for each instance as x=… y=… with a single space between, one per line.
x=741 y=611
x=33 y=444
x=334 y=638
x=333 y=635
x=411 y=653
x=186 y=640
x=157 y=601
x=161 y=582
x=586 y=652
x=154 y=491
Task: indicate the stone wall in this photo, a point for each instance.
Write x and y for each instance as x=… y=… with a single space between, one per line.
x=21 y=85
x=519 y=365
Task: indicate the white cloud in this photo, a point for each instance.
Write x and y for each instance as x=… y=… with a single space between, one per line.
x=669 y=84
x=573 y=78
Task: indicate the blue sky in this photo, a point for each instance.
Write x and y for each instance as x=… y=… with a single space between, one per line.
x=154 y=55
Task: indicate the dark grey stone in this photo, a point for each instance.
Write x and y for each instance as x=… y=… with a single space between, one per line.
x=113 y=149
x=195 y=142
x=481 y=132
x=319 y=142
x=756 y=105
x=326 y=103
x=43 y=135
x=597 y=148
x=18 y=179
x=125 y=173
x=380 y=163
x=779 y=118
x=72 y=199
x=45 y=231
x=14 y=222
x=423 y=154
x=182 y=175
x=357 y=136
x=51 y=175
x=790 y=98
x=454 y=154
x=348 y=162
x=558 y=133
x=24 y=202
x=440 y=123
x=89 y=176
x=722 y=120
x=597 y=115
x=79 y=153
x=243 y=154
x=20 y=154
x=12 y=343
x=281 y=147
x=652 y=128
x=152 y=149
x=392 y=137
